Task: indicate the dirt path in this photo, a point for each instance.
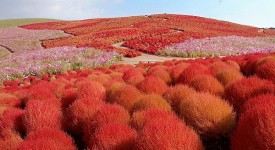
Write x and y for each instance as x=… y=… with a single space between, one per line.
x=4 y=52
x=144 y=57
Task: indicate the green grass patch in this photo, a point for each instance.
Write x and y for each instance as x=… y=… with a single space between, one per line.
x=17 y=22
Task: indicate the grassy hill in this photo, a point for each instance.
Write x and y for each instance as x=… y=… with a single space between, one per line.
x=17 y=22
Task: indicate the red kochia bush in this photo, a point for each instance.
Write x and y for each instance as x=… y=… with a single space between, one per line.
x=265 y=100
x=267 y=71
x=91 y=89
x=56 y=137
x=41 y=114
x=9 y=140
x=191 y=72
x=80 y=111
x=106 y=115
x=41 y=91
x=152 y=84
x=12 y=118
x=163 y=134
x=174 y=95
x=133 y=76
x=9 y=100
x=255 y=129
x=176 y=71
x=209 y=115
x=113 y=136
x=68 y=97
x=151 y=101
x=141 y=118
x=207 y=83
x=240 y=91
x=124 y=95
x=228 y=76
x=161 y=73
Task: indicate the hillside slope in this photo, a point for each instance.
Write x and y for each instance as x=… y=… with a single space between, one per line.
x=142 y=33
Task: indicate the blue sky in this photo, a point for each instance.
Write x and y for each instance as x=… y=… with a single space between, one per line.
x=260 y=13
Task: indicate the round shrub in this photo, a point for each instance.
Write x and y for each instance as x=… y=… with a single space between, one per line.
x=255 y=129
x=12 y=118
x=152 y=84
x=101 y=78
x=209 y=115
x=113 y=136
x=174 y=95
x=41 y=114
x=9 y=100
x=133 y=76
x=106 y=115
x=267 y=71
x=264 y=100
x=124 y=95
x=40 y=91
x=68 y=97
x=161 y=73
x=218 y=66
x=240 y=91
x=60 y=138
x=191 y=72
x=228 y=76
x=91 y=89
x=151 y=101
x=176 y=71
x=80 y=111
x=141 y=118
x=39 y=144
x=207 y=83
x=167 y=135
x=9 y=140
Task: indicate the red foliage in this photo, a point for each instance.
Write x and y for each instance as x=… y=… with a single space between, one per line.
x=168 y=135
x=209 y=115
x=141 y=118
x=80 y=111
x=267 y=71
x=41 y=114
x=12 y=118
x=263 y=100
x=59 y=138
x=152 y=84
x=240 y=91
x=228 y=76
x=255 y=129
x=151 y=101
x=68 y=97
x=91 y=89
x=176 y=71
x=9 y=100
x=108 y=114
x=207 y=83
x=124 y=95
x=133 y=76
x=9 y=140
x=161 y=73
x=174 y=95
x=113 y=136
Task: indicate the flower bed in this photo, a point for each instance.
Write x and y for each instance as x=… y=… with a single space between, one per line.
x=220 y=46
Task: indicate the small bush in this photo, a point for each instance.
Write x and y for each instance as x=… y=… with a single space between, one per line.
x=9 y=140
x=151 y=101
x=264 y=100
x=9 y=100
x=240 y=91
x=41 y=114
x=80 y=111
x=174 y=95
x=12 y=118
x=141 y=118
x=68 y=97
x=176 y=71
x=167 y=135
x=133 y=76
x=124 y=95
x=209 y=115
x=113 y=136
x=229 y=76
x=161 y=73
x=255 y=129
x=91 y=89
x=207 y=83
x=152 y=85
x=267 y=71
x=106 y=115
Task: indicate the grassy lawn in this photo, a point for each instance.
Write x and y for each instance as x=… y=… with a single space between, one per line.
x=17 y=22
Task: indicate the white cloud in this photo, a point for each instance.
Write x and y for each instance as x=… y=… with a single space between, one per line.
x=59 y=9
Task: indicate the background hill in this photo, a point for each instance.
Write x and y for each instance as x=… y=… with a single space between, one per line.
x=142 y=33
x=17 y=22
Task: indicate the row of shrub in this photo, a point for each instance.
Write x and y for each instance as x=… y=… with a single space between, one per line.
x=184 y=104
